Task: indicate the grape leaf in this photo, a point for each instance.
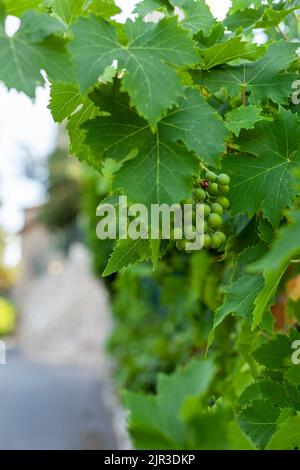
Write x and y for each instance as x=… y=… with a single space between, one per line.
x=65 y=99
x=269 y=390
x=273 y=17
x=155 y=421
x=68 y=10
x=240 y=297
x=240 y=20
x=162 y=174
x=284 y=248
x=241 y=294
x=243 y=4
x=293 y=375
x=265 y=297
x=244 y=117
x=67 y=103
x=197 y=15
x=105 y=8
x=162 y=165
x=127 y=253
x=287 y=436
x=148 y=6
x=276 y=353
x=268 y=174
x=262 y=79
x=258 y=421
x=77 y=133
x=279 y=397
x=17 y=8
x=234 y=48
x=147 y=57
x=31 y=49
x=198 y=125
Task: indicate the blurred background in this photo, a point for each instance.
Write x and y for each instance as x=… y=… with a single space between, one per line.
x=58 y=389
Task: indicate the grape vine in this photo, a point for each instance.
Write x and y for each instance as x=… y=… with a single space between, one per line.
x=184 y=110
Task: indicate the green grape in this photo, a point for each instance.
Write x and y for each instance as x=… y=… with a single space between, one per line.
x=176 y=233
x=190 y=232
x=180 y=245
x=216 y=208
x=211 y=176
x=205 y=226
x=223 y=201
x=224 y=189
x=214 y=189
x=216 y=241
x=223 y=179
x=200 y=194
x=222 y=236
x=207 y=241
x=206 y=210
x=187 y=201
x=215 y=220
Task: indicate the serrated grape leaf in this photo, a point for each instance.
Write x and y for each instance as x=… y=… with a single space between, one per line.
x=240 y=295
x=31 y=49
x=258 y=421
x=148 y=6
x=243 y=4
x=198 y=125
x=208 y=429
x=240 y=20
x=262 y=79
x=162 y=165
x=77 y=134
x=281 y=397
x=269 y=390
x=127 y=253
x=67 y=10
x=232 y=49
x=263 y=300
x=105 y=8
x=194 y=122
x=275 y=354
x=155 y=421
x=240 y=298
x=162 y=174
x=67 y=103
x=197 y=15
x=284 y=248
x=293 y=375
x=265 y=181
x=265 y=231
x=244 y=117
x=17 y=8
x=273 y=17
x=149 y=58
x=287 y=436
x=65 y=99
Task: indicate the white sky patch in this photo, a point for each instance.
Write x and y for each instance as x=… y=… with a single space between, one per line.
x=12 y=24
x=27 y=129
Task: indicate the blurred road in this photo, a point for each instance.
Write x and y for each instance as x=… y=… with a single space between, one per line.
x=57 y=408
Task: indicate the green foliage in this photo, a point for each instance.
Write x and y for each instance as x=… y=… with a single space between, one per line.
x=158 y=109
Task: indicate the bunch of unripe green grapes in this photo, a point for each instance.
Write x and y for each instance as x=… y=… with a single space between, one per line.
x=211 y=190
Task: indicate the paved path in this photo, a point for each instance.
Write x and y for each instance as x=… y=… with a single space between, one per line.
x=44 y=407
